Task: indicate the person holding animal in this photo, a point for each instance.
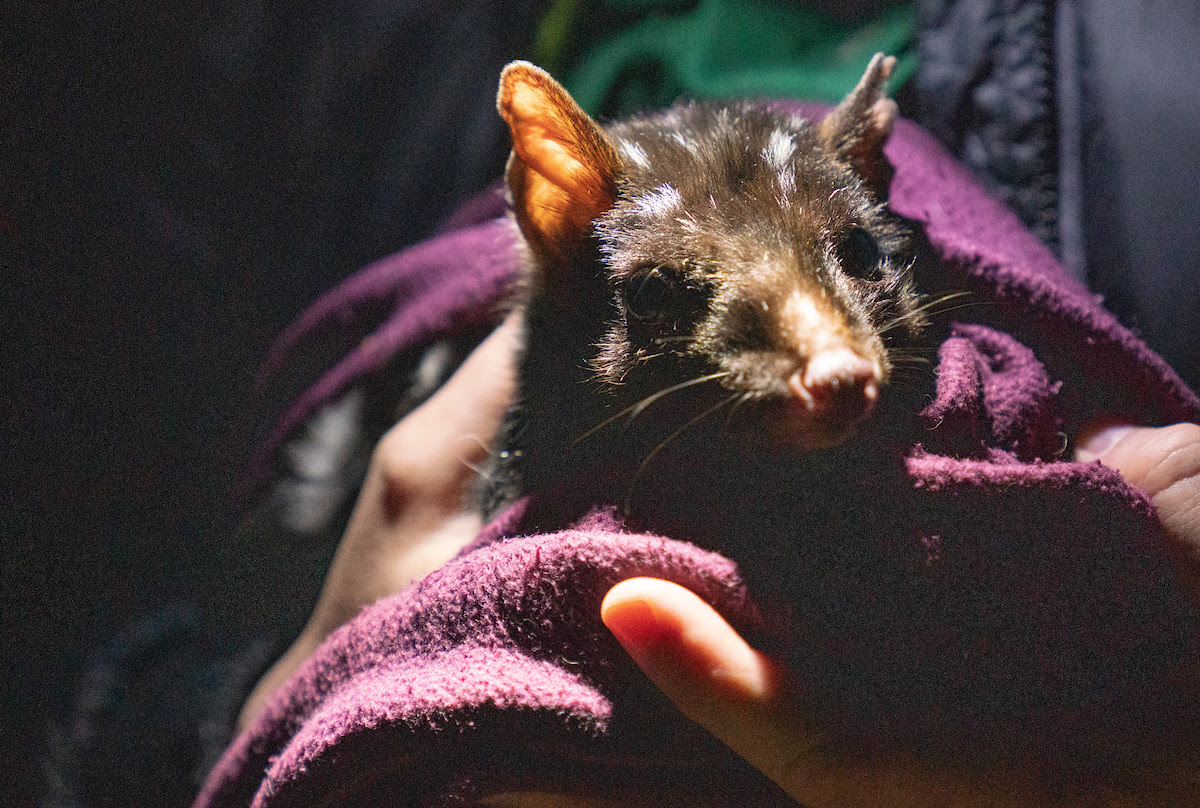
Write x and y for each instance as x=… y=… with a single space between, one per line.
x=417 y=510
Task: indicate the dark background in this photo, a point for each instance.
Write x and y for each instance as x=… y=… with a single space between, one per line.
x=177 y=181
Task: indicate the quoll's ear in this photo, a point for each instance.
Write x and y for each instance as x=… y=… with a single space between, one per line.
x=562 y=173
x=859 y=127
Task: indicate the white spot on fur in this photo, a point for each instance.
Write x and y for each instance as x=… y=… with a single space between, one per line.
x=779 y=150
x=787 y=183
x=687 y=143
x=722 y=126
x=635 y=154
x=662 y=201
x=778 y=154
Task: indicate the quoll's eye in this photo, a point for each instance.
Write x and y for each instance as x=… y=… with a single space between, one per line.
x=859 y=254
x=648 y=292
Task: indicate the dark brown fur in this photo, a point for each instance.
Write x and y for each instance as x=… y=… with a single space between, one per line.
x=753 y=221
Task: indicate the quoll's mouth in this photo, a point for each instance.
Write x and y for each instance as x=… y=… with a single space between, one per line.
x=787 y=423
x=825 y=400
x=801 y=405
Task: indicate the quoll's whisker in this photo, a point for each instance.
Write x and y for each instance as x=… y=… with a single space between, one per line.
x=635 y=409
x=904 y=383
x=971 y=305
x=742 y=399
x=929 y=308
x=667 y=440
x=929 y=304
x=909 y=360
x=925 y=309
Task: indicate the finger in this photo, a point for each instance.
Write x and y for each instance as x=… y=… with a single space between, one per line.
x=750 y=703
x=431 y=457
x=684 y=642
x=412 y=512
x=1152 y=458
x=711 y=674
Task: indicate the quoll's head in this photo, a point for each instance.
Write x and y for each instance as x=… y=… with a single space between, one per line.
x=745 y=246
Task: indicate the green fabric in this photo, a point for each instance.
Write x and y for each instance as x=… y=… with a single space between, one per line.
x=716 y=49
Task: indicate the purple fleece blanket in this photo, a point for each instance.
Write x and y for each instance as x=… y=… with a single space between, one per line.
x=1006 y=595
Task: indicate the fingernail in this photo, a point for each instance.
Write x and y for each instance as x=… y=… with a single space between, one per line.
x=1098 y=444
x=635 y=623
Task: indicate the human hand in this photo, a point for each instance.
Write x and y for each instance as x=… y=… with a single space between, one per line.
x=752 y=704
x=1165 y=463
x=757 y=709
x=414 y=512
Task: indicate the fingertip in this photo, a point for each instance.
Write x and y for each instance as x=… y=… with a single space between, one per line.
x=1094 y=444
x=629 y=612
x=632 y=589
x=683 y=644
x=710 y=673
x=1151 y=458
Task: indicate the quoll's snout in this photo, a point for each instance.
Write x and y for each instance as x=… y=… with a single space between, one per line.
x=837 y=384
